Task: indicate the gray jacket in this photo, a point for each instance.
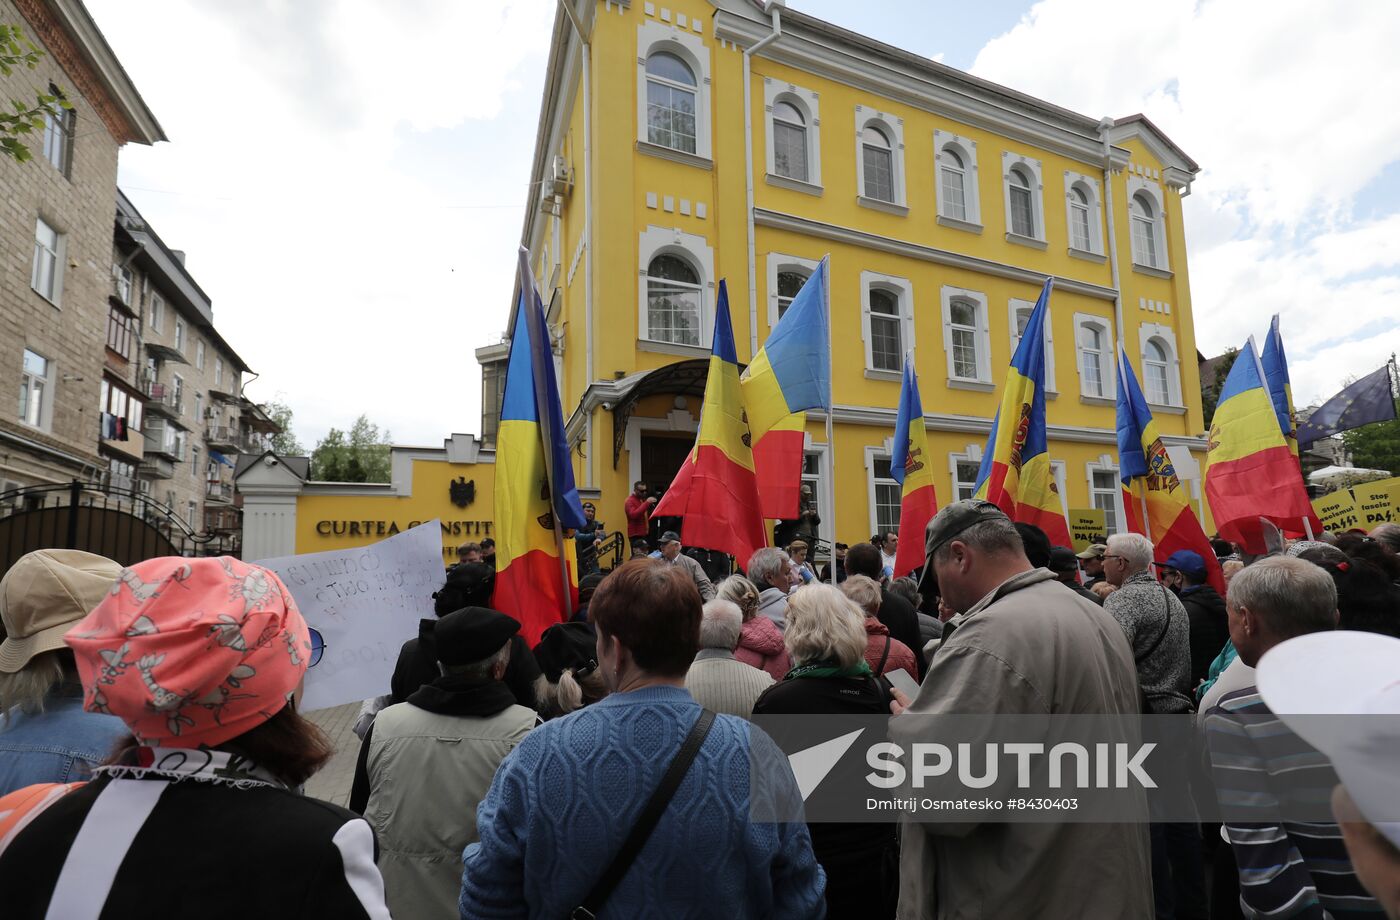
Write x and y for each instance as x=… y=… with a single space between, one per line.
x=1144 y=608
x=1028 y=647
x=721 y=683
x=772 y=603
x=428 y=772
x=697 y=574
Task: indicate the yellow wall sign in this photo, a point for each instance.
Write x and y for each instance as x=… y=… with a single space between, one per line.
x=1337 y=511
x=1376 y=501
x=1087 y=526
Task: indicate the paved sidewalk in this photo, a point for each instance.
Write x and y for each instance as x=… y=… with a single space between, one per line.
x=333 y=782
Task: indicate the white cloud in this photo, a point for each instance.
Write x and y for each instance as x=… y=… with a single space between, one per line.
x=347 y=178
x=1285 y=108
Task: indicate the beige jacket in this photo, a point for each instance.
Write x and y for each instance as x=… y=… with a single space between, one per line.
x=428 y=772
x=1031 y=646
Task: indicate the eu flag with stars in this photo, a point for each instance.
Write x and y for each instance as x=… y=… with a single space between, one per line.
x=1365 y=401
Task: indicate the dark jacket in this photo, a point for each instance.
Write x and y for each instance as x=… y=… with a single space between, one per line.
x=417 y=665
x=899 y=617
x=196 y=853
x=1083 y=592
x=1205 y=610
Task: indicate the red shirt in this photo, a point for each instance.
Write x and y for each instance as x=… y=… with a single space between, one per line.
x=637 y=510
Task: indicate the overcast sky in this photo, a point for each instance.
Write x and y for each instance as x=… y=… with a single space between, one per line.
x=347 y=176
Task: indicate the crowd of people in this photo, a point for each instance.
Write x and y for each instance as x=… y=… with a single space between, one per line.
x=152 y=753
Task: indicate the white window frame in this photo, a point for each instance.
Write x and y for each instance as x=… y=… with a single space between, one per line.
x=1166 y=337
x=819 y=484
x=218 y=371
x=808 y=103
x=972 y=455
x=903 y=291
x=1031 y=167
x=1013 y=307
x=156 y=319
x=893 y=128
x=779 y=262
x=199 y=354
x=1137 y=185
x=656 y=241
x=983 y=381
x=1090 y=186
x=966 y=149
x=1057 y=473
x=881 y=452
x=652 y=37
x=1105 y=464
x=179 y=335
x=46 y=393
x=59 y=131
x=177 y=393
x=54 y=257
x=1106 y=359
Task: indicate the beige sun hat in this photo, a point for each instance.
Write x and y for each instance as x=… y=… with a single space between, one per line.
x=45 y=593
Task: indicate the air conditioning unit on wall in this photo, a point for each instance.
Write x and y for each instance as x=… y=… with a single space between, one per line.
x=561 y=178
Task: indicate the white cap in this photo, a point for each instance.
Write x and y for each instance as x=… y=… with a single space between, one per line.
x=1344 y=673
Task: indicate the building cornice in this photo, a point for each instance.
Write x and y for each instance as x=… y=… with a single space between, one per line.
x=69 y=33
x=794 y=224
x=816 y=46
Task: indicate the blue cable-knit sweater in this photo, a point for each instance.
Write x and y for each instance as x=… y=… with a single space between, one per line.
x=563 y=801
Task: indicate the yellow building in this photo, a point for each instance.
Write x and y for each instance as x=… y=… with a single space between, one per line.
x=685 y=141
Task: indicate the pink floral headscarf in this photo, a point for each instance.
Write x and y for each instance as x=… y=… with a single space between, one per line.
x=191 y=652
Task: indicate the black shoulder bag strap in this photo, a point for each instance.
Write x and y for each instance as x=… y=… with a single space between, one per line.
x=651 y=815
x=880 y=668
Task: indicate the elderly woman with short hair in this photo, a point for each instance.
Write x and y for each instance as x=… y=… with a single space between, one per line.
x=882 y=652
x=717 y=679
x=760 y=641
x=827 y=639
x=563 y=802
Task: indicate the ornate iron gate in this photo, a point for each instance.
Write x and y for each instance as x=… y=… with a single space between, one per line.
x=118 y=523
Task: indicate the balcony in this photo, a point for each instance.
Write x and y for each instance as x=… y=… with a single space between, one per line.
x=224 y=438
x=219 y=491
x=163 y=401
x=222 y=520
x=165 y=353
x=156 y=467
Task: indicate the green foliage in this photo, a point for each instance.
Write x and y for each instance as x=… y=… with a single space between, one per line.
x=18 y=52
x=1210 y=389
x=285 y=443
x=360 y=455
x=1375 y=446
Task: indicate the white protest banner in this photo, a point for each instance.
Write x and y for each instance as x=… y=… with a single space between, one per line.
x=365 y=603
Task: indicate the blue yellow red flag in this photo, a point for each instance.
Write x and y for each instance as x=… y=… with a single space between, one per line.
x=1250 y=471
x=918 y=500
x=536 y=499
x=715 y=492
x=1280 y=388
x=790 y=375
x=1015 y=474
x=1150 y=482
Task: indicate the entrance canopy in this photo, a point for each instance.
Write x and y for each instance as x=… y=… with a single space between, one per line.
x=684 y=378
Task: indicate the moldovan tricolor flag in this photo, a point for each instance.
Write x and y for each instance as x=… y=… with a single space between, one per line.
x=1250 y=471
x=1149 y=478
x=715 y=492
x=1015 y=474
x=1280 y=389
x=790 y=375
x=917 y=502
x=534 y=481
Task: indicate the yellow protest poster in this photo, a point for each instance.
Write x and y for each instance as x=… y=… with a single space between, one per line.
x=1376 y=501
x=1086 y=527
x=1337 y=511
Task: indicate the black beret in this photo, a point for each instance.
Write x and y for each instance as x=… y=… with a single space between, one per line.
x=567 y=645
x=472 y=634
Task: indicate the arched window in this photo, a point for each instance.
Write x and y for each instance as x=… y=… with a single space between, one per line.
x=1155 y=365
x=886 y=348
x=877 y=158
x=1091 y=359
x=789 y=141
x=963 y=334
x=671 y=92
x=789 y=283
x=673 y=301
x=1022 y=209
x=954 y=185
x=1079 y=237
x=1143 y=219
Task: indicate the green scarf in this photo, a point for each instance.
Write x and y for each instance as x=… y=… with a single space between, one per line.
x=829 y=669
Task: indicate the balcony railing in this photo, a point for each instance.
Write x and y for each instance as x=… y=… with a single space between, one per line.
x=223 y=437
x=156 y=467
x=219 y=491
x=163 y=400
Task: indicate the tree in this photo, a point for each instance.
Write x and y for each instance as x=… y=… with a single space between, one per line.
x=361 y=455
x=18 y=52
x=284 y=443
x=1210 y=389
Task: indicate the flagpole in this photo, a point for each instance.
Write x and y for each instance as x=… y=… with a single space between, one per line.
x=538 y=336
x=830 y=437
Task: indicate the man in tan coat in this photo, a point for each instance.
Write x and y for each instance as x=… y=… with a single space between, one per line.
x=1023 y=644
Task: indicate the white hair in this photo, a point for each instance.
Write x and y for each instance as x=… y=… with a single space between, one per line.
x=1291 y=595
x=721 y=622
x=824 y=625
x=765 y=565
x=864 y=592
x=1134 y=548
